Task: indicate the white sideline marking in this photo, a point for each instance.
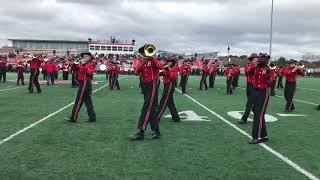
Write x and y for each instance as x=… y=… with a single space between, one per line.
x=309 y=89
x=41 y=120
x=291 y=115
x=277 y=154
x=11 y=88
x=299 y=101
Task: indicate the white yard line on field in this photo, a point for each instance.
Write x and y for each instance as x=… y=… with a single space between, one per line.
x=275 y=153
x=1 y=90
x=309 y=89
x=43 y=119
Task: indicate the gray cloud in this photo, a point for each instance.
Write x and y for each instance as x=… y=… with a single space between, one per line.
x=176 y=25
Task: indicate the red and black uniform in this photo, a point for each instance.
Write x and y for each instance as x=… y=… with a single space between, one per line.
x=236 y=74
x=65 y=71
x=85 y=76
x=3 y=70
x=184 y=70
x=35 y=64
x=279 y=72
x=261 y=82
x=290 y=86
x=273 y=84
x=51 y=71
x=44 y=70
x=115 y=74
x=228 y=73
x=74 y=70
x=170 y=76
x=149 y=71
x=205 y=73
x=20 y=77
x=212 y=76
x=249 y=71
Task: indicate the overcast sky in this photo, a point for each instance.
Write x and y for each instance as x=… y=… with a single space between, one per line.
x=175 y=25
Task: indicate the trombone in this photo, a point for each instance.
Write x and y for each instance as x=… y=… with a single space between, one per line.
x=148 y=50
x=300 y=65
x=272 y=65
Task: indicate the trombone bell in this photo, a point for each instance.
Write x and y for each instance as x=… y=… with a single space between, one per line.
x=148 y=50
x=272 y=65
x=300 y=65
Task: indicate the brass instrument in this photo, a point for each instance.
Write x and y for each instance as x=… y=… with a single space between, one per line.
x=148 y=50
x=272 y=65
x=300 y=65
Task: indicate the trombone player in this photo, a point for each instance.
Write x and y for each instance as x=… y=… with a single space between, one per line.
x=295 y=68
x=149 y=71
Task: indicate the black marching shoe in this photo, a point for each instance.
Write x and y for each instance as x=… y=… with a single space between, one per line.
x=255 y=141
x=155 y=135
x=69 y=120
x=264 y=139
x=242 y=121
x=136 y=137
x=317 y=108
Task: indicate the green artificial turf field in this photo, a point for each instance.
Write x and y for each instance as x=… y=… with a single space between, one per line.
x=209 y=149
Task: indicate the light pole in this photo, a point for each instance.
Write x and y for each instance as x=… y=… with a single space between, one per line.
x=271 y=30
x=228 y=53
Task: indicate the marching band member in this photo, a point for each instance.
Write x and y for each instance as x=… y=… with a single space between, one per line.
x=20 y=76
x=205 y=72
x=51 y=69
x=44 y=70
x=65 y=71
x=185 y=70
x=273 y=84
x=85 y=76
x=291 y=74
x=280 y=77
x=74 y=71
x=115 y=74
x=228 y=73
x=109 y=71
x=35 y=64
x=170 y=75
x=261 y=82
x=236 y=74
x=149 y=71
x=3 y=69
x=249 y=71
x=213 y=73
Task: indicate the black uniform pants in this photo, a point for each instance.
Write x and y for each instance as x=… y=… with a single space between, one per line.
x=84 y=95
x=280 y=82
x=250 y=100
x=235 y=80
x=167 y=101
x=50 y=78
x=212 y=79
x=181 y=76
x=150 y=106
x=203 y=82
x=110 y=78
x=44 y=74
x=3 y=74
x=65 y=75
x=229 y=85
x=115 y=82
x=261 y=99
x=74 y=80
x=289 y=90
x=107 y=75
x=20 y=78
x=34 y=81
x=184 y=82
x=273 y=85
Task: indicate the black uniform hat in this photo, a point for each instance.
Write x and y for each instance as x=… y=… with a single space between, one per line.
x=263 y=57
x=292 y=61
x=85 y=53
x=252 y=56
